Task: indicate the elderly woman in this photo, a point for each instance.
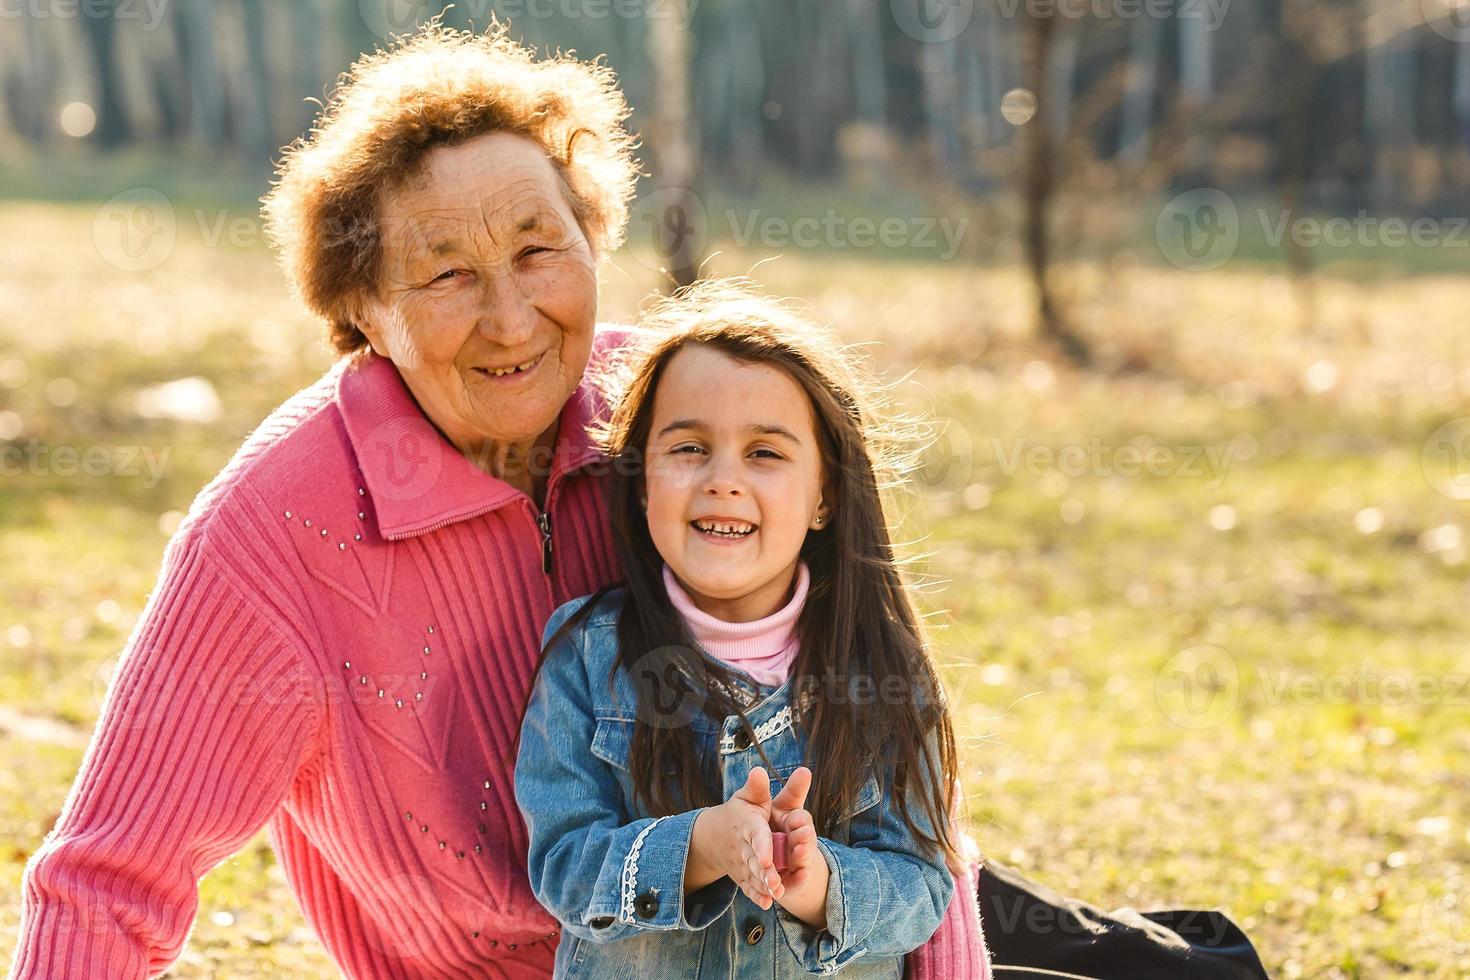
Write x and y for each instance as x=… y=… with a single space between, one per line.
x=345 y=626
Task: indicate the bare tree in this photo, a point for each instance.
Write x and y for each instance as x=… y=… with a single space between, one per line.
x=675 y=144
x=1038 y=187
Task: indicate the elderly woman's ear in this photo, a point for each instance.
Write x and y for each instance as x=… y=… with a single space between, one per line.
x=366 y=314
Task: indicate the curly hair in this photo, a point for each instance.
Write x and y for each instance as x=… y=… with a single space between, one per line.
x=438 y=87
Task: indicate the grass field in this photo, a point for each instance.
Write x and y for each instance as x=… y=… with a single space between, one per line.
x=1205 y=624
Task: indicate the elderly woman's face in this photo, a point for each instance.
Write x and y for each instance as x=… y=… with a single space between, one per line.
x=484 y=269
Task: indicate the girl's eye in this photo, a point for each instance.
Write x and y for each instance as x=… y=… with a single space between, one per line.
x=680 y=449
x=770 y=452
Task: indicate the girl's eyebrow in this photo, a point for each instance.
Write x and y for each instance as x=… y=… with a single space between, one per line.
x=759 y=428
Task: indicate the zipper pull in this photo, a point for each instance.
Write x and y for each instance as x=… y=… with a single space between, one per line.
x=544 y=520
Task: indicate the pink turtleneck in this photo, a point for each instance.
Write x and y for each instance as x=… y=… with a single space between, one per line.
x=763 y=648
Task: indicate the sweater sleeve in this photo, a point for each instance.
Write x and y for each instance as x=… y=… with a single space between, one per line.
x=956 y=951
x=208 y=717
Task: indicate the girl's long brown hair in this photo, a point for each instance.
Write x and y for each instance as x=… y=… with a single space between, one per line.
x=863 y=663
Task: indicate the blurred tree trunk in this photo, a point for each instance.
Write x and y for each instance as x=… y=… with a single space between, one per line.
x=33 y=84
x=1294 y=78
x=1038 y=186
x=258 y=130
x=1138 y=100
x=306 y=39
x=1462 y=95
x=100 y=26
x=675 y=146
x=1058 y=93
x=196 y=51
x=869 y=80
x=1196 y=83
x=1196 y=59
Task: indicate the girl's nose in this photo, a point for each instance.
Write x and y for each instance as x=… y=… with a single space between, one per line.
x=723 y=478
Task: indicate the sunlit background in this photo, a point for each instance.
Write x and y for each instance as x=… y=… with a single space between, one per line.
x=1183 y=283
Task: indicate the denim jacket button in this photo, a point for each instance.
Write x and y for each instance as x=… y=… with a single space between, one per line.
x=742 y=740
x=601 y=922
x=646 y=905
x=755 y=931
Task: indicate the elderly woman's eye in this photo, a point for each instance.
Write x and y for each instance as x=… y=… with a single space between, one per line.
x=534 y=250
x=446 y=274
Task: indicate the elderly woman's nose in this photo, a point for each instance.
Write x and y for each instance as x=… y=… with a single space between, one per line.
x=507 y=315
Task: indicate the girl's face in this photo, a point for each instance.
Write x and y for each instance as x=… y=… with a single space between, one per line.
x=732 y=444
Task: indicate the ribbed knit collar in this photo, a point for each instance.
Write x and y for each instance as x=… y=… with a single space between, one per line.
x=418 y=480
x=763 y=648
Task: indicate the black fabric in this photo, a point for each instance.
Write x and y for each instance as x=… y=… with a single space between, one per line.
x=1034 y=932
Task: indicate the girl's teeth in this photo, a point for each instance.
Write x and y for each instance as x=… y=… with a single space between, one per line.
x=725 y=531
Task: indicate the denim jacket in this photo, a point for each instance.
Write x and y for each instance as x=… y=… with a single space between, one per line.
x=613 y=875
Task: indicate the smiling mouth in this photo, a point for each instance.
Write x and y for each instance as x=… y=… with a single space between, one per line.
x=523 y=368
x=729 y=530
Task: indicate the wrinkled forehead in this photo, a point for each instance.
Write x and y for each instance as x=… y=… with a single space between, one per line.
x=484 y=201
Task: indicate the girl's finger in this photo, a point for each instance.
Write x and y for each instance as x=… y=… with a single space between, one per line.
x=793 y=794
x=797 y=819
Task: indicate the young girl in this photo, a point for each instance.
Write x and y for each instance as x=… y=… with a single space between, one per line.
x=741 y=763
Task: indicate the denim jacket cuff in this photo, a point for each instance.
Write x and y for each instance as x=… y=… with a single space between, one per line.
x=651 y=890
x=852 y=912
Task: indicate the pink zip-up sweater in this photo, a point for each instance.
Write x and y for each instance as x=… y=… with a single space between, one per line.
x=337 y=649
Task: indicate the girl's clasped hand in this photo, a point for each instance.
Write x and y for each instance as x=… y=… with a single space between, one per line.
x=736 y=839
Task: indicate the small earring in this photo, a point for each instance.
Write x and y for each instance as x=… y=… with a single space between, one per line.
x=819 y=522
